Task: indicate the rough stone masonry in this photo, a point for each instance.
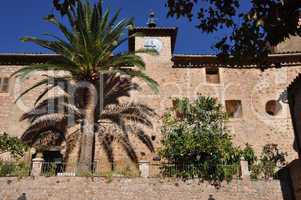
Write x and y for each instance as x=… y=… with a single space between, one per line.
x=256 y=100
x=87 y=188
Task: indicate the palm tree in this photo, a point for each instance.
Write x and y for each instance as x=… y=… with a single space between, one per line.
x=87 y=52
x=48 y=126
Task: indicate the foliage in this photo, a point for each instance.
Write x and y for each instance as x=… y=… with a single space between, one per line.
x=114 y=124
x=14 y=169
x=87 y=49
x=127 y=171
x=196 y=142
x=256 y=171
x=49 y=169
x=88 y=54
x=64 y=6
x=271 y=160
x=248 y=154
x=254 y=26
x=13 y=145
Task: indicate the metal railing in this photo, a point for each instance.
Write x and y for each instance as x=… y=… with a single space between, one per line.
x=190 y=170
x=162 y=170
x=64 y=169
x=154 y=170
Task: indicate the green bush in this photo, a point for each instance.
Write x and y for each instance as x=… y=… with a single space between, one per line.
x=256 y=171
x=12 y=145
x=248 y=154
x=271 y=160
x=14 y=169
x=196 y=142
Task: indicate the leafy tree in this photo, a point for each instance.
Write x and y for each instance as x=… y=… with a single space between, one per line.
x=196 y=142
x=87 y=54
x=253 y=30
x=64 y=6
x=12 y=145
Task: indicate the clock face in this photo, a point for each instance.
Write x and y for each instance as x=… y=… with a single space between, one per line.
x=153 y=43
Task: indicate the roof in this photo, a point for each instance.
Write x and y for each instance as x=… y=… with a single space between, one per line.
x=180 y=60
x=153 y=31
x=196 y=61
x=26 y=58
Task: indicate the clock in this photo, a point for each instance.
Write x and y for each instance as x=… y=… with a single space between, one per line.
x=153 y=43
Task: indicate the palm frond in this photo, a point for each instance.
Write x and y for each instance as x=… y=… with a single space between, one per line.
x=87 y=53
x=53 y=82
x=38 y=84
x=50 y=118
x=107 y=142
x=32 y=137
x=145 y=139
x=54 y=105
x=128 y=147
x=71 y=141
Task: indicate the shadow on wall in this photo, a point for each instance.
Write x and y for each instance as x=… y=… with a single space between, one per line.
x=22 y=197
x=290 y=180
x=293 y=169
x=211 y=197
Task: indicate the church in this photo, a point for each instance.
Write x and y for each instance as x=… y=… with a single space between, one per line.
x=264 y=107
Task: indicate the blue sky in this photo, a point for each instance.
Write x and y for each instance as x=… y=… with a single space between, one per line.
x=24 y=18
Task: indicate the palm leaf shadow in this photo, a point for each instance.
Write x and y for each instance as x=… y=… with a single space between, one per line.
x=57 y=114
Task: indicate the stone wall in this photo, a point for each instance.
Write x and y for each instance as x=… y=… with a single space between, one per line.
x=252 y=87
x=85 y=188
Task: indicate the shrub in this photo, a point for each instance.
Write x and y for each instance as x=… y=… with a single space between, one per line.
x=14 y=169
x=248 y=154
x=12 y=145
x=271 y=160
x=196 y=142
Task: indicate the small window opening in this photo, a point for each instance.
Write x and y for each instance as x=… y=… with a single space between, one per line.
x=212 y=75
x=153 y=137
x=273 y=107
x=234 y=108
x=4 y=84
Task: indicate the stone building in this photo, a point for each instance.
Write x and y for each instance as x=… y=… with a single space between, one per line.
x=256 y=100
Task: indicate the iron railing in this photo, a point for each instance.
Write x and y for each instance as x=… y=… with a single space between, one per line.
x=191 y=170
x=64 y=169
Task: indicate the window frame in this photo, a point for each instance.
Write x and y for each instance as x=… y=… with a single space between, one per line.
x=4 y=85
x=212 y=75
x=237 y=103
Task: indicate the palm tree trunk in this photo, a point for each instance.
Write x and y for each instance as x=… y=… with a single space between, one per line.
x=87 y=134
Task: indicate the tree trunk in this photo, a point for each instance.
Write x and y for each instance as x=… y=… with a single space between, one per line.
x=87 y=134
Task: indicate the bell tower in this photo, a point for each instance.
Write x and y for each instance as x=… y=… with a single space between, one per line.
x=151 y=20
x=161 y=39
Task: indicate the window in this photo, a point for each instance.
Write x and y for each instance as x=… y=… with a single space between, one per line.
x=273 y=107
x=4 y=83
x=234 y=108
x=212 y=75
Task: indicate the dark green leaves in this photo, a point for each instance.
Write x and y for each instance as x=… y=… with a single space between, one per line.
x=254 y=26
x=12 y=145
x=196 y=142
